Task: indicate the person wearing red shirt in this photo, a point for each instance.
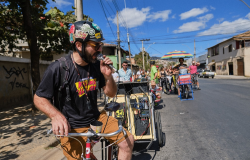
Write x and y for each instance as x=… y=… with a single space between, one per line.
x=193 y=72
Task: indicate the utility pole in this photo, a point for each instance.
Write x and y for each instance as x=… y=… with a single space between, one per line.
x=194 y=52
x=131 y=67
x=130 y=55
x=78 y=10
x=143 y=52
x=118 y=41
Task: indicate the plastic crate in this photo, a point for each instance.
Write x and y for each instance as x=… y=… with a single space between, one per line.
x=184 y=79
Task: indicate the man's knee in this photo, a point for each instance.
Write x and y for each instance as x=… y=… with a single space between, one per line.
x=127 y=144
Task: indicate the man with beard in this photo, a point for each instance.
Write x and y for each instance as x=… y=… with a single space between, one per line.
x=75 y=113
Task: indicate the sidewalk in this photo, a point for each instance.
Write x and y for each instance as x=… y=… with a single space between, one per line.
x=230 y=77
x=23 y=135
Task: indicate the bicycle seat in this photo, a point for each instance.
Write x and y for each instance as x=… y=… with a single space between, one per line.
x=113 y=106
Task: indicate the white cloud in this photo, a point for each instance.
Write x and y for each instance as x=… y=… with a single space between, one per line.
x=134 y=17
x=173 y=16
x=60 y=3
x=227 y=27
x=193 y=13
x=236 y=16
x=195 y=25
x=211 y=7
x=248 y=15
x=190 y=26
x=206 y=18
x=163 y=15
x=220 y=19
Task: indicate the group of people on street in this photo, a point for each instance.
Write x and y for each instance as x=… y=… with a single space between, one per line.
x=125 y=74
x=159 y=76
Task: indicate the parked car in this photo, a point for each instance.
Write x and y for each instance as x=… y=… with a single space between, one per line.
x=200 y=71
x=207 y=73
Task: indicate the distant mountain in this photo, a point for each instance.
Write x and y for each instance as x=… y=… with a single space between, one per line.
x=155 y=58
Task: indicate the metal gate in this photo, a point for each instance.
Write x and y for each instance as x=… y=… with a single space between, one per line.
x=240 y=66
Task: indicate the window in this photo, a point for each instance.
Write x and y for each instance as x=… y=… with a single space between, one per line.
x=217 y=50
x=230 y=48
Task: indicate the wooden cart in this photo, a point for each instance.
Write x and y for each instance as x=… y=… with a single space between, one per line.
x=138 y=114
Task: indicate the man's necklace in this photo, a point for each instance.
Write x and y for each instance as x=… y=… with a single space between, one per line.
x=85 y=90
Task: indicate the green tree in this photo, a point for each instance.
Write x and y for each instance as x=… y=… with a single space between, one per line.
x=45 y=33
x=139 y=60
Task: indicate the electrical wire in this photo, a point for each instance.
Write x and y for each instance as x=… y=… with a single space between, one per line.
x=107 y=18
x=192 y=36
x=199 y=30
x=124 y=22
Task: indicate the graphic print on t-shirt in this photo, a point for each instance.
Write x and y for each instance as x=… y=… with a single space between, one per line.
x=91 y=86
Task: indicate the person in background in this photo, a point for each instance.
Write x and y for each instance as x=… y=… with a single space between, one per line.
x=124 y=72
x=153 y=74
x=180 y=69
x=138 y=74
x=143 y=75
x=170 y=73
x=154 y=88
x=193 y=72
x=163 y=77
x=115 y=76
x=148 y=72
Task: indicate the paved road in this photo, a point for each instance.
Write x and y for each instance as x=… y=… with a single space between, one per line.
x=215 y=125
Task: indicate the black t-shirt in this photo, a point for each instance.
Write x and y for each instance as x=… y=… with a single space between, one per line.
x=75 y=110
x=179 y=65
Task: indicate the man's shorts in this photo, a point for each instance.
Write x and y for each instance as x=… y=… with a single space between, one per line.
x=195 y=76
x=73 y=147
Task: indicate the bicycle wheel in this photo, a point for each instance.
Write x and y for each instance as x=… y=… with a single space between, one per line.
x=186 y=92
x=159 y=129
x=164 y=88
x=168 y=88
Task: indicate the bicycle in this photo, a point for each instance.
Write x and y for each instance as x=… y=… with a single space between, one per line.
x=194 y=80
x=165 y=85
x=185 y=86
x=92 y=139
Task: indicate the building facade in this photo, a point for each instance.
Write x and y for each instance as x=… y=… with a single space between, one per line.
x=231 y=57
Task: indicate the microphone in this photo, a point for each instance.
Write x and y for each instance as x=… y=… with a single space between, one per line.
x=100 y=57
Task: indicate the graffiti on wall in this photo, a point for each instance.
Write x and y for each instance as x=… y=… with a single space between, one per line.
x=16 y=72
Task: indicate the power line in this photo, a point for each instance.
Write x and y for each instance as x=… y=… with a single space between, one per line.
x=156 y=50
x=179 y=42
x=245 y=3
x=198 y=30
x=124 y=22
x=192 y=36
x=107 y=19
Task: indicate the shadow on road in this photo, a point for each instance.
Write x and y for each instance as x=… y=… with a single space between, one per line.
x=18 y=129
x=146 y=155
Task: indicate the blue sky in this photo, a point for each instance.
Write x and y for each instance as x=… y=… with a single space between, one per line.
x=169 y=24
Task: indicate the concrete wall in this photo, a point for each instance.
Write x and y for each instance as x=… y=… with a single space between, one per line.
x=15 y=81
x=226 y=54
x=15 y=84
x=224 y=59
x=247 y=62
